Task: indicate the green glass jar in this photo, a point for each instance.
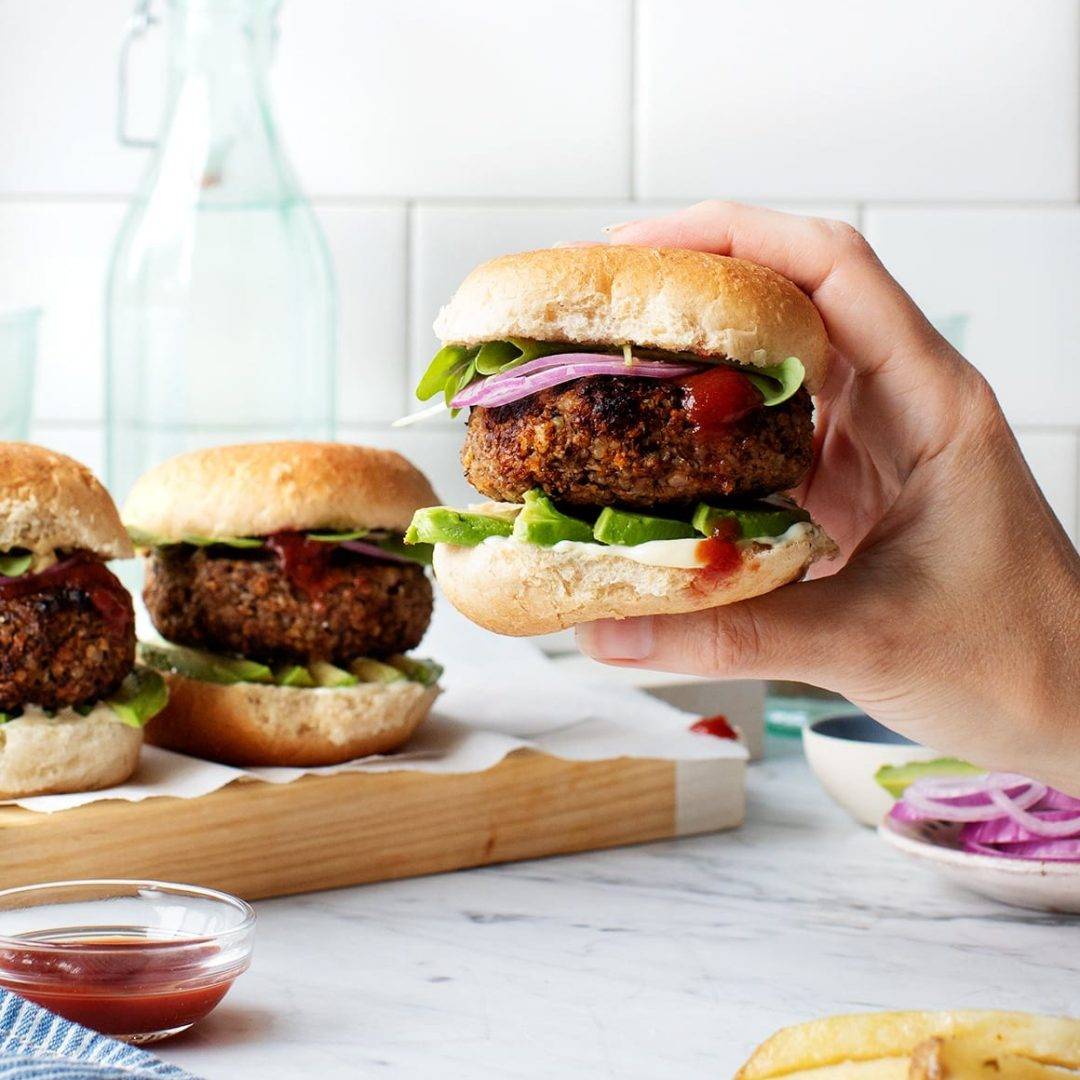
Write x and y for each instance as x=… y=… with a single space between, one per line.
x=220 y=322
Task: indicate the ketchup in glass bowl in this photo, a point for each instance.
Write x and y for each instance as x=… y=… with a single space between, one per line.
x=138 y=960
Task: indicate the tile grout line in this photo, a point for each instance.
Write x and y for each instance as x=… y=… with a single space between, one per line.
x=541 y=202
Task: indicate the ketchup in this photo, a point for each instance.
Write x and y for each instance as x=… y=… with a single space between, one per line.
x=85 y=574
x=305 y=562
x=715 y=725
x=719 y=396
x=718 y=552
x=116 y=985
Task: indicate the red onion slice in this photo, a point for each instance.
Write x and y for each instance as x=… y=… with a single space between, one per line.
x=1022 y=794
x=1034 y=850
x=1004 y=830
x=549 y=371
x=1037 y=825
x=373 y=551
x=1058 y=800
x=951 y=788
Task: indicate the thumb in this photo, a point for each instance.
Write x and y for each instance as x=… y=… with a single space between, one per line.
x=805 y=632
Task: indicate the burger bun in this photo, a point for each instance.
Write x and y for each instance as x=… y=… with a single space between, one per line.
x=258 y=724
x=520 y=589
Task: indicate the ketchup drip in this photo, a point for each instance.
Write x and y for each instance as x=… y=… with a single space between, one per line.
x=306 y=563
x=85 y=574
x=715 y=725
x=715 y=398
x=718 y=552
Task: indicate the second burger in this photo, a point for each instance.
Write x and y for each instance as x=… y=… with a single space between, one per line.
x=277 y=575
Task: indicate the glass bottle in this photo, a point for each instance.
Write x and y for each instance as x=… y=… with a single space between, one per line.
x=220 y=322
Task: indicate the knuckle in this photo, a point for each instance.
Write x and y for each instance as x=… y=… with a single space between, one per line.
x=844 y=237
x=735 y=644
x=713 y=208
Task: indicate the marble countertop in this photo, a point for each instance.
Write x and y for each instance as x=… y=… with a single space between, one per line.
x=671 y=959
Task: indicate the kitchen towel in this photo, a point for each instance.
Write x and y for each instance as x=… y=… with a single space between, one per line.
x=36 y=1044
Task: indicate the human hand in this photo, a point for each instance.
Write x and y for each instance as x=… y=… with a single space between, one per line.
x=953 y=616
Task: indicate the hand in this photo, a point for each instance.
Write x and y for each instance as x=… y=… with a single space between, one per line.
x=953 y=614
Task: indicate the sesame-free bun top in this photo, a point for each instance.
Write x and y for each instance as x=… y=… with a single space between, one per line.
x=657 y=298
x=49 y=502
x=263 y=488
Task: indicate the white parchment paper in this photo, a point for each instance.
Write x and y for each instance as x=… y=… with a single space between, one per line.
x=500 y=695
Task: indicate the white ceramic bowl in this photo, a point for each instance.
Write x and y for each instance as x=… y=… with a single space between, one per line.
x=844 y=752
x=1044 y=886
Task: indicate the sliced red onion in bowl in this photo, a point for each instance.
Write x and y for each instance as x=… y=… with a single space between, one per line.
x=1001 y=814
x=373 y=551
x=548 y=371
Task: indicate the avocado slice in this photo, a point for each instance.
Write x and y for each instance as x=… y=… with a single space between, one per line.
x=142 y=695
x=330 y=675
x=418 y=553
x=540 y=523
x=293 y=675
x=367 y=670
x=444 y=525
x=15 y=563
x=759 y=521
x=895 y=778
x=205 y=666
x=243 y=542
x=417 y=669
x=629 y=530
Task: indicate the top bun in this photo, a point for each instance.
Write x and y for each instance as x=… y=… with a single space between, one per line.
x=49 y=502
x=658 y=298
x=263 y=488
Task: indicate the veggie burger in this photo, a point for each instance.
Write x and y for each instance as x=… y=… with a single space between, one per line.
x=632 y=412
x=277 y=574
x=72 y=704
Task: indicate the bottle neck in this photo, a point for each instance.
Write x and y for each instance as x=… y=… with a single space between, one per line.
x=219 y=130
x=229 y=42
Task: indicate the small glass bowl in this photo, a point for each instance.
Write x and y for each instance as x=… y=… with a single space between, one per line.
x=138 y=960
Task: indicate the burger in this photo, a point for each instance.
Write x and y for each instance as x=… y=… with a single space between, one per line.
x=72 y=702
x=277 y=577
x=632 y=415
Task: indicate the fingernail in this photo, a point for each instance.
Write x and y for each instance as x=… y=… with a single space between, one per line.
x=615 y=228
x=617 y=639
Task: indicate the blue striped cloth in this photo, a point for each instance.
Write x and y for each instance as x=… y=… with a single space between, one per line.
x=36 y=1044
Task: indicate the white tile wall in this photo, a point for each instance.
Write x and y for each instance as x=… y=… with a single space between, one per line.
x=1014 y=274
x=58 y=97
x=56 y=255
x=435 y=135
x=367 y=245
x=471 y=98
x=969 y=99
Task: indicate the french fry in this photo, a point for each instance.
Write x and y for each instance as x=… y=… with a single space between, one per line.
x=893 y=1068
x=868 y=1037
x=971 y=1057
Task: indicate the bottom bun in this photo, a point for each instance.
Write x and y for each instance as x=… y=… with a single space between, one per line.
x=50 y=755
x=520 y=589
x=255 y=724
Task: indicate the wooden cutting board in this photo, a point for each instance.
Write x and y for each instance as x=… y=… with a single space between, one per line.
x=256 y=839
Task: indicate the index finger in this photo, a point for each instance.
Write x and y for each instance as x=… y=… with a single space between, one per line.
x=867 y=314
